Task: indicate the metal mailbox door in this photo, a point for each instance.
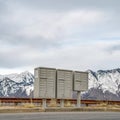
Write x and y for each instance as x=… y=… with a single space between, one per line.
x=64 y=84
x=80 y=81
x=45 y=83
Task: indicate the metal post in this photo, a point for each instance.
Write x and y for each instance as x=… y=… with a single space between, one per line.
x=78 y=99
x=44 y=103
x=62 y=103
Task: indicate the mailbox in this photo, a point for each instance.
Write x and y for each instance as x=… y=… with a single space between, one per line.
x=64 y=84
x=80 y=81
x=45 y=82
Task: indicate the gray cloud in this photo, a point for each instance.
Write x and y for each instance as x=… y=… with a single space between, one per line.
x=71 y=4
x=61 y=5
x=41 y=32
x=3 y=7
x=114 y=48
x=117 y=47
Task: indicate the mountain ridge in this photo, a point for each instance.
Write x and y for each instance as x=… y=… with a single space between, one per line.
x=103 y=84
x=16 y=85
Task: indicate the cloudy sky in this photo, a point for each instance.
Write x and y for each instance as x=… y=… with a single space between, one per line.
x=69 y=34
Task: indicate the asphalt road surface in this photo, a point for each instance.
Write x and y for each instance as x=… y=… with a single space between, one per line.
x=61 y=116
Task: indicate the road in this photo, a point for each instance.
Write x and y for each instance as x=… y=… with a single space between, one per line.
x=61 y=116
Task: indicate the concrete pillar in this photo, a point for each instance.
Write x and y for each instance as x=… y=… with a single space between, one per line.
x=78 y=99
x=62 y=103
x=44 y=103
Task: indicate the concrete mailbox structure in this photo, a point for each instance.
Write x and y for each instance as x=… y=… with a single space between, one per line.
x=59 y=83
x=80 y=84
x=80 y=81
x=45 y=83
x=64 y=85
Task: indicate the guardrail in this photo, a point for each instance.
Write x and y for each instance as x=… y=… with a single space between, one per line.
x=39 y=100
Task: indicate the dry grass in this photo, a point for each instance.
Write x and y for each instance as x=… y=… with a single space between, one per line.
x=102 y=105
x=53 y=103
x=106 y=105
x=68 y=104
x=28 y=105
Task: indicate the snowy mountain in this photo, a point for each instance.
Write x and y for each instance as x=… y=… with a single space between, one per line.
x=103 y=85
x=16 y=85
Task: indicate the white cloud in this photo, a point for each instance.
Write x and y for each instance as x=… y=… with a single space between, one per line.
x=54 y=25
x=80 y=56
x=50 y=24
x=79 y=37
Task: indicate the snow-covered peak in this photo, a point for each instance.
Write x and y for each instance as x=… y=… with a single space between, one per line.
x=107 y=80
x=24 y=76
x=16 y=85
x=109 y=71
